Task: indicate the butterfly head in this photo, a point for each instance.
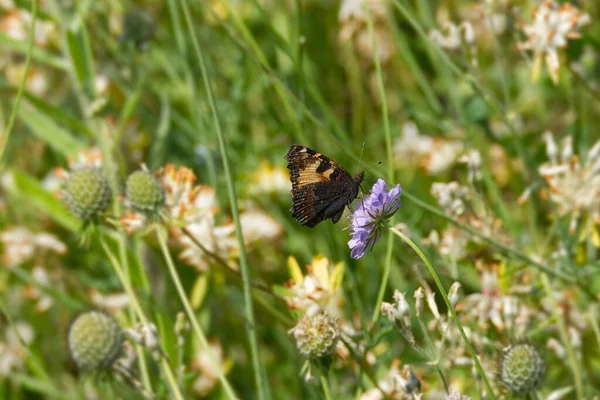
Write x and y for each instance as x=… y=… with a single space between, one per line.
x=359 y=177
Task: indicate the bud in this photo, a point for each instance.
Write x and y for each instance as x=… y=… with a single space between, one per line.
x=94 y=341
x=87 y=193
x=316 y=336
x=453 y=294
x=522 y=369
x=144 y=192
x=419 y=301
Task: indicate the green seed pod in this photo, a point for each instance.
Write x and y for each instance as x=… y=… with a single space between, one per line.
x=144 y=192
x=87 y=193
x=316 y=336
x=522 y=369
x=94 y=340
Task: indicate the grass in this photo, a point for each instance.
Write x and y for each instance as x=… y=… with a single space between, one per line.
x=209 y=96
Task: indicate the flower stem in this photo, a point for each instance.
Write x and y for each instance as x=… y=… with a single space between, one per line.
x=162 y=239
x=325 y=385
x=450 y=308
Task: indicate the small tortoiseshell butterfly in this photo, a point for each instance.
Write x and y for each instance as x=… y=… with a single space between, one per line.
x=321 y=188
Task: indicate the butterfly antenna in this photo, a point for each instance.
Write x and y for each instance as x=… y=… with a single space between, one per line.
x=361 y=154
x=372 y=165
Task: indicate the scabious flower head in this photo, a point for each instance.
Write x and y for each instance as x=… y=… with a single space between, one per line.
x=94 y=340
x=88 y=193
x=371 y=212
x=522 y=369
x=145 y=193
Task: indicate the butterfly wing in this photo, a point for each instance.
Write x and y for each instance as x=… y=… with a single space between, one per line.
x=321 y=188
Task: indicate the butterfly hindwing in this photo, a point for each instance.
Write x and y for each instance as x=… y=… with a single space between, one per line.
x=321 y=188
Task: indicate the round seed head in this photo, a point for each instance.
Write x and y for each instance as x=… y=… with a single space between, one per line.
x=94 y=340
x=522 y=369
x=316 y=336
x=144 y=192
x=87 y=193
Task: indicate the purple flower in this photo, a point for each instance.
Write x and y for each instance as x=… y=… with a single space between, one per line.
x=370 y=214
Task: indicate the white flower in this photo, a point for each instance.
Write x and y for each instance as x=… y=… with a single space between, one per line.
x=574 y=184
x=21 y=245
x=455 y=35
x=354 y=28
x=12 y=352
x=257 y=226
x=553 y=24
x=434 y=155
x=208 y=374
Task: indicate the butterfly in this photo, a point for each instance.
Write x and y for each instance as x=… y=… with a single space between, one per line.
x=321 y=188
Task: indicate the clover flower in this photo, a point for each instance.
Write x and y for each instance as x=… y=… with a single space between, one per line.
x=372 y=211
x=553 y=24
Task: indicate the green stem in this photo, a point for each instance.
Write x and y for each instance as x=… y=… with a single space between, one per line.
x=325 y=387
x=13 y=115
x=388 y=150
x=562 y=329
x=450 y=308
x=261 y=385
x=162 y=239
x=140 y=314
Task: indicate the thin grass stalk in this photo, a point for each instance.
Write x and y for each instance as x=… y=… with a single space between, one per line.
x=162 y=239
x=13 y=115
x=390 y=164
x=440 y=286
x=261 y=385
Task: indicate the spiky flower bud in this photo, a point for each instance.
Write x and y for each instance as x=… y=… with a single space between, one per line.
x=94 y=340
x=522 y=368
x=87 y=193
x=144 y=192
x=316 y=336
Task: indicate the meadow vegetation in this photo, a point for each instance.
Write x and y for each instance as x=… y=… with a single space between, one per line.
x=147 y=246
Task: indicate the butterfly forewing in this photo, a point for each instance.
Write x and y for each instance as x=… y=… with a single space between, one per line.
x=321 y=188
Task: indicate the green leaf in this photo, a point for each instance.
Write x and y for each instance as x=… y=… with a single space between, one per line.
x=47 y=130
x=58 y=114
x=81 y=56
x=29 y=191
x=37 y=54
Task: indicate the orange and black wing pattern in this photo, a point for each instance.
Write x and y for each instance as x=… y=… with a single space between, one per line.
x=321 y=188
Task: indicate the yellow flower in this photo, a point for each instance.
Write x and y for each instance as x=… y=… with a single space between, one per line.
x=318 y=290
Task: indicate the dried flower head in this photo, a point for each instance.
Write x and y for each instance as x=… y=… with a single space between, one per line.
x=371 y=213
x=316 y=336
x=553 y=24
